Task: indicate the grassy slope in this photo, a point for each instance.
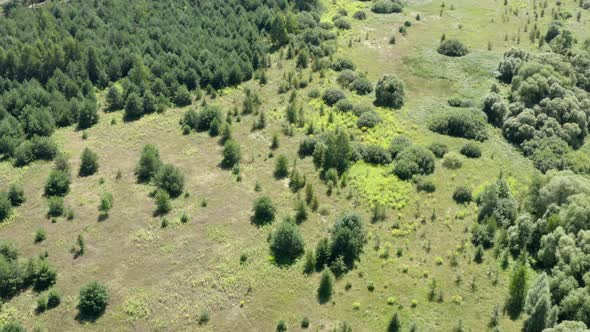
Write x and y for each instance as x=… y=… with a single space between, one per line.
x=162 y=279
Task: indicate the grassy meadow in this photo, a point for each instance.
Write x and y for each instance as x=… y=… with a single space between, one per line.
x=162 y=279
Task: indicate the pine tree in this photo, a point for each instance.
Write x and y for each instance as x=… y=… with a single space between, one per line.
x=394 y=324
x=517 y=291
x=325 y=288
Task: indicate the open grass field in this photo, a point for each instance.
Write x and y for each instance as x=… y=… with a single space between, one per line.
x=162 y=279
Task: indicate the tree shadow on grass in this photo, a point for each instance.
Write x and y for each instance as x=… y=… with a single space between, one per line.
x=88 y=318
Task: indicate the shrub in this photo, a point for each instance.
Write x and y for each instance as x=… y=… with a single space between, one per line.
x=462 y=194
x=386 y=7
x=170 y=179
x=40 y=235
x=399 y=144
x=106 y=203
x=281 y=326
x=341 y=64
x=412 y=161
x=203 y=317
x=359 y=109
x=5 y=207
x=452 y=47
x=53 y=299
x=231 y=154
x=44 y=276
x=93 y=299
x=149 y=163
x=346 y=77
x=456 y=101
x=89 y=163
x=300 y=212
x=162 y=202
x=362 y=86
x=374 y=154
x=438 y=149
x=41 y=304
x=368 y=120
x=344 y=105
x=331 y=96
x=452 y=161
x=471 y=150
x=390 y=92
x=58 y=184
x=305 y=323
x=425 y=185
x=16 y=194
x=281 y=167
x=56 y=206
x=342 y=23
x=460 y=123
x=360 y=15
x=286 y=242
x=325 y=289
x=264 y=211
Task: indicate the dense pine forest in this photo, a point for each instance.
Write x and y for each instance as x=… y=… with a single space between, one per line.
x=278 y=165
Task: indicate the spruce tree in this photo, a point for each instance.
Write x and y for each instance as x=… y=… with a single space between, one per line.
x=325 y=288
x=517 y=291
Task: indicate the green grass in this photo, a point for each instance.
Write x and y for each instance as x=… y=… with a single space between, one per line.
x=162 y=279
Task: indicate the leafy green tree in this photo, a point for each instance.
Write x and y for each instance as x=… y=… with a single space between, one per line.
x=538 y=305
x=390 y=92
x=88 y=163
x=93 y=299
x=170 y=179
x=286 y=242
x=412 y=161
x=462 y=194
x=332 y=96
x=149 y=163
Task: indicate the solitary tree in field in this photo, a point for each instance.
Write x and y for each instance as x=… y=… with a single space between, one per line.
x=390 y=92
x=93 y=299
x=89 y=163
x=394 y=324
x=325 y=288
x=149 y=163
